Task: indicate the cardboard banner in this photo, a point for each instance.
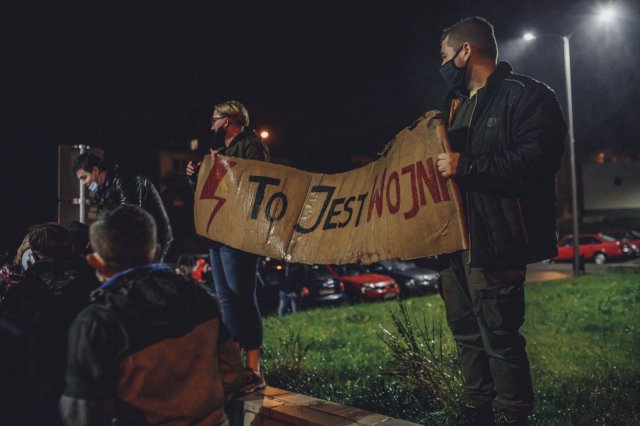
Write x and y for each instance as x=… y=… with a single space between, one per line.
x=396 y=207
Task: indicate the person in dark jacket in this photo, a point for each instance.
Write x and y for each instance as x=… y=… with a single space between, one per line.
x=151 y=347
x=21 y=385
x=114 y=186
x=234 y=271
x=55 y=288
x=507 y=135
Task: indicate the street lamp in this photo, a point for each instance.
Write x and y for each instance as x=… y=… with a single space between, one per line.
x=264 y=135
x=605 y=15
x=572 y=156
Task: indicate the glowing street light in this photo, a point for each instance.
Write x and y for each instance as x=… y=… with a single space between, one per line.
x=264 y=135
x=607 y=14
x=529 y=36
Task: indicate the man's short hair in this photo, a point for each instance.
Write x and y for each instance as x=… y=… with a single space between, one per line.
x=476 y=31
x=50 y=240
x=234 y=111
x=124 y=237
x=87 y=162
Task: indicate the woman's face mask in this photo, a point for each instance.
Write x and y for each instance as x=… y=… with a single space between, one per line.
x=27 y=259
x=219 y=136
x=90 y=179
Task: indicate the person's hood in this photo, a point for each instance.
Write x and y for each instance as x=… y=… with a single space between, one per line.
x=153 y=295
x=57 y=273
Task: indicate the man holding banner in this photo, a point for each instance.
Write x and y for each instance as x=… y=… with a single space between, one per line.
x=507 y=136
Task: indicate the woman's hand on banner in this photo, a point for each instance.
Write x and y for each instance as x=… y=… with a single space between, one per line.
x=192 y=168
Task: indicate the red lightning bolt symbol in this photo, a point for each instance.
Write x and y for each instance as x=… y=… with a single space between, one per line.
x=217 y=173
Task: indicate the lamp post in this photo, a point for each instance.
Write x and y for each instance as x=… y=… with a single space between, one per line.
x=572 y=157
x=83 y=192
x=605 y=15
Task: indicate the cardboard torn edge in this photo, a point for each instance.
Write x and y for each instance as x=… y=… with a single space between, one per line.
x=462 y=219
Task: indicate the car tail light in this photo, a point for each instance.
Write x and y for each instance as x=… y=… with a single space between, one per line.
x=341 y=284
x=305 y=291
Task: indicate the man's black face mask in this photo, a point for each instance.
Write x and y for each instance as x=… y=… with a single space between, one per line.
x=453 y=75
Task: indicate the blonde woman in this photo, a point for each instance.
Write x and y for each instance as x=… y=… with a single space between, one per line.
x=234 y=271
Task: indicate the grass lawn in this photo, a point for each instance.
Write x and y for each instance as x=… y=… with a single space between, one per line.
x=583 y=340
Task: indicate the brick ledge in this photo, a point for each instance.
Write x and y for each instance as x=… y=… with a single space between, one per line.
x=273 y=406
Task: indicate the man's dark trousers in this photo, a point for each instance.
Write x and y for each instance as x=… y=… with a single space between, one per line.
x=485 y=309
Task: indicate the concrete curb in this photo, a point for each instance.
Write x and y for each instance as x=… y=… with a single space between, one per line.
x=273 y=406
x=629 y=268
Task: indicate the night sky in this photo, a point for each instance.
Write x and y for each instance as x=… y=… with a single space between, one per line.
x=329 y=79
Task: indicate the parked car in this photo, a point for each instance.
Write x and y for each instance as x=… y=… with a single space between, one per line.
x=190 y=261
x=316 y=287
x=361 y=285
x=412 y=280
x=629 y=235
x=595 y=247
x=320 y=287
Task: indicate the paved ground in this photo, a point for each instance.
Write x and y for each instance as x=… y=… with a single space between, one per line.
x=556 y=271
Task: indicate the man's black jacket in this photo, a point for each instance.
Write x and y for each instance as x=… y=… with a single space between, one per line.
x=123 y=187
x=507 y=170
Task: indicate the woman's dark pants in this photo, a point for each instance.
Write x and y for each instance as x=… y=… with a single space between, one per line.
x=234 y=277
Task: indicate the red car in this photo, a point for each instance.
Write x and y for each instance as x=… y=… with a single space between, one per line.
x=629 y=235
x=595 y=247
x=360 y=285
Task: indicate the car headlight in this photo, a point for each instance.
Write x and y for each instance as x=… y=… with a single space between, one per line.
x=368 y=286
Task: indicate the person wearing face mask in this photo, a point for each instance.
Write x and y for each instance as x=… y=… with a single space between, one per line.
x=507 y=136
x=54 y=289
x=234 y=271
x=113 y=186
